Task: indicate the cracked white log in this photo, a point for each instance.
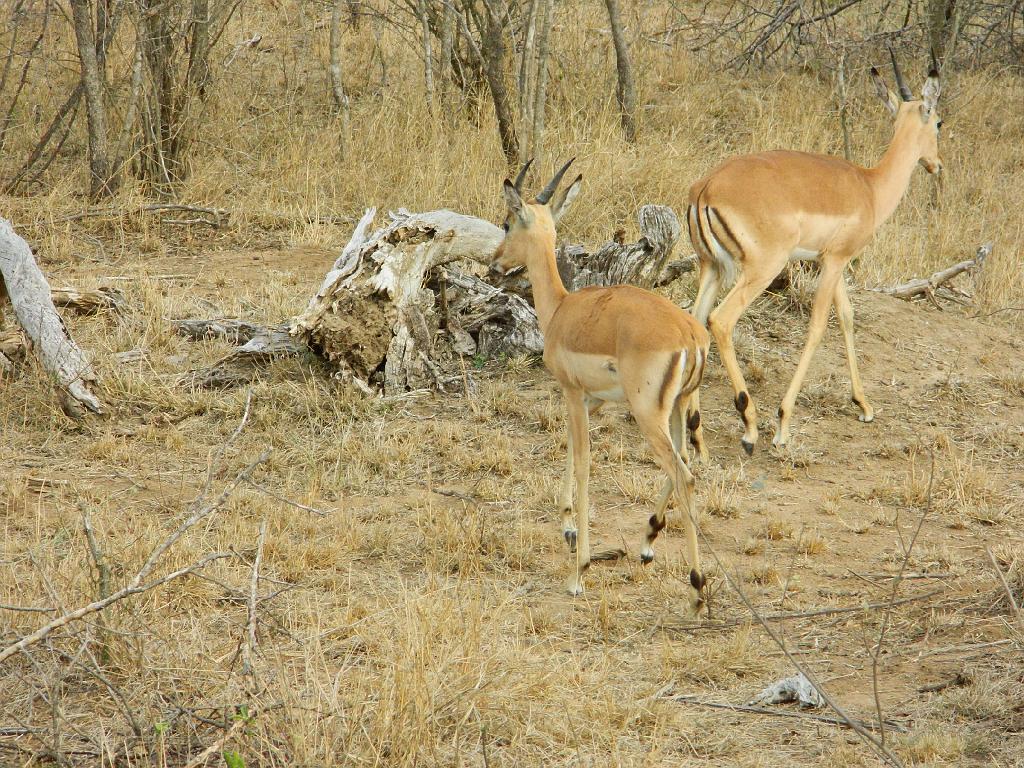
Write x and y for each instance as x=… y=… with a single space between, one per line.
x=60 y=356
x=374 y=319
x=926 y=286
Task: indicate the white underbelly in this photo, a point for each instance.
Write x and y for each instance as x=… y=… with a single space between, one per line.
x=804 y=254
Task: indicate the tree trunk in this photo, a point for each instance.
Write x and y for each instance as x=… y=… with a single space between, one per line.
x=447 y=47
x=92 y=82
x=30 y=295
x=198 y=77
x=625 y=92
x=401 y=308
x=493 y=53
x=428 y=56
x=527 y=81
x=941 y=16
x=540 y=94
x=337 y=81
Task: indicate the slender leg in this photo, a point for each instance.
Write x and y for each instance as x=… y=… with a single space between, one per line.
x=831 y=271
x=580 y=439
x=593 y=405
x=565 y=496
x=844 y=310
x=675 y=426
x=722 y=323
x=681 y=480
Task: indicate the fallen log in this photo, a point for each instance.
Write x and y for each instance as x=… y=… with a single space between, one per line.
x=404 y=304
x=926 y=286
x=29 y=293
x=88 y=302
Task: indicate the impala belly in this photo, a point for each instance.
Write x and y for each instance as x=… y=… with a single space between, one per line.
x=817 y=231
x=803 y=254
x=597 y=375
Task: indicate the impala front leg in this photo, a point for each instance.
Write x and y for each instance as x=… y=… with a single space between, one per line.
x=593 y=405
x=579 y=436
x=565 y=494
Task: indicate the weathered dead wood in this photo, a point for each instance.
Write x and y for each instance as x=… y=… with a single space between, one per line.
x=926 y=286
x=233 y=331
x=88 y=302
x=374 y=319
x=617 y=263
x=30 y=295
x=403 y=305
x=258 y=345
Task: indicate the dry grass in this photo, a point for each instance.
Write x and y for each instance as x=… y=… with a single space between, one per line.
x=409 y=626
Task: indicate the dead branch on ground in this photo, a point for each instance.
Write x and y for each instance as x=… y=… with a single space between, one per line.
x=33 y=304
x=877 y=651
x=775 y=712
x=138 y=584
x=927 y=286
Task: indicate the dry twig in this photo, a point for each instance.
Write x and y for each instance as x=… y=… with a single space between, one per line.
x=249 y=647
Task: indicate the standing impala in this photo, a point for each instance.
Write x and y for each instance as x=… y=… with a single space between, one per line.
x=756 y=212
x=620 y=343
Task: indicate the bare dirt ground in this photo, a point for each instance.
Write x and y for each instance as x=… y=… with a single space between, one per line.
x=423 y=620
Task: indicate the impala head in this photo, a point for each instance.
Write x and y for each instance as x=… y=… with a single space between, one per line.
x=915 y=118
x=530 y=227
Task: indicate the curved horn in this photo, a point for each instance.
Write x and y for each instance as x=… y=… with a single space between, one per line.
x=549 y=190
x=522 y=175
x=935 y=62
x=905 y=93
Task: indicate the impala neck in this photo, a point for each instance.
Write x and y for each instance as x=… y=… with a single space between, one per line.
x=548 y=289
x=891 y=177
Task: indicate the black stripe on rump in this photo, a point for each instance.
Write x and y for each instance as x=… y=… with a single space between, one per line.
x=688 y=386
x=667 y=380
x=708 y=252
x=738 y=252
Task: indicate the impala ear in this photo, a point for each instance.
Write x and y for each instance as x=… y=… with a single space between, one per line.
x=888 y=97
x=930 y=91
x=513 y=199
x=563 y=200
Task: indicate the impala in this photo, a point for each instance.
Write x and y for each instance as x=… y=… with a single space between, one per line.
x=754 y=213
x=617 y=343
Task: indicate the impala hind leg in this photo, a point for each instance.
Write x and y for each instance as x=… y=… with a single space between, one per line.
x=579 y=438
x=844 y=311
x=722 y=323
x=675 y=427
x=831 y=271
x=709 y=282
x=565 y=493
x=681 y=482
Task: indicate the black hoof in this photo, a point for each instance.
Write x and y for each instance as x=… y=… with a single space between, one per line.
x=697 y=580
x=646 y=559
x=748 y=447
x=570 y=539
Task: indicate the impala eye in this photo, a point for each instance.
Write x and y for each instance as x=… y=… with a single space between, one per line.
x=938 y=126
x=504 y=225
